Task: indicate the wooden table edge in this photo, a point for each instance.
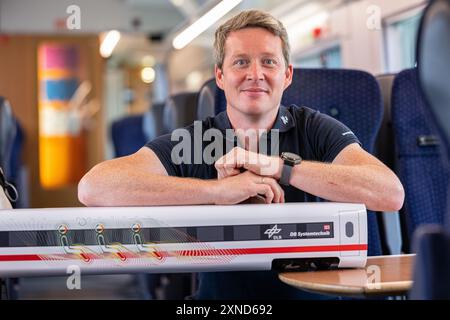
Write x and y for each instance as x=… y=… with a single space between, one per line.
x=370 y=289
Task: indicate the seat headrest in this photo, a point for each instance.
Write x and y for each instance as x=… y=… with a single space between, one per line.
x=180 y=110
x=206 y=100
x=351 y=96
x=386 y=82
x=433 y=52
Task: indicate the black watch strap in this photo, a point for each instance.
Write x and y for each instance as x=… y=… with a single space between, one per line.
x=286 y=175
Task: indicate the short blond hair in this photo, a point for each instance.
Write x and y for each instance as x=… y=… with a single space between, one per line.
x=250 y=19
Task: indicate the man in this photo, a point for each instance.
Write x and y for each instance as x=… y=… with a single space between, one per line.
x=319 y=156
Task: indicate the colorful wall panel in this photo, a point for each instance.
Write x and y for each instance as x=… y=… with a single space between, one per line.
x=62 y=150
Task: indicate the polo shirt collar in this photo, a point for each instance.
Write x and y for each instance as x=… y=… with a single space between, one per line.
x=283 y=122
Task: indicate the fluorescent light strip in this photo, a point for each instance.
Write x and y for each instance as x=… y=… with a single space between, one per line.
x=207 y=20
x=109 y=43
x=177 y=3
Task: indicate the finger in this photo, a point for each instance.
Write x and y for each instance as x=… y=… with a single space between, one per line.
x=220 y=174
x=266 y=190
x=276 y=189
x=281 y=195
x=220 y=164
x=241 y=157
x=227 y=165
x=227 y=172
x=280 y=189
x=232 y=171
x=220 y=161
x=281 y=192
x=227 y=160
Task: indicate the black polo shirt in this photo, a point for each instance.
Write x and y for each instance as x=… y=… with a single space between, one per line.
x=303 y=131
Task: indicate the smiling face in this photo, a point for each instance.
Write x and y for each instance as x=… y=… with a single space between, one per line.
x=254 y=74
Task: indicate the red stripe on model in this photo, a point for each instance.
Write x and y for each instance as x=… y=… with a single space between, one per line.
x=242 y=251
x=20 y=257
x=216 y=252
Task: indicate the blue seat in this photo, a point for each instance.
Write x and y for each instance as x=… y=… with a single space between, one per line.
x=180 y=110
x=127 y=135
x=8 y=130
x=132 y=132
x=152 y=122
x=432 y=242
x=391 y=230
x=419 y=153
x=206 y=100
x=433 y=50
x=11 y=145
x=384 y=145
x=352 y=97
x=431 y=275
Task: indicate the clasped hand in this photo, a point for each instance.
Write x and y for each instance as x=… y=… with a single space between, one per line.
x=245 y=174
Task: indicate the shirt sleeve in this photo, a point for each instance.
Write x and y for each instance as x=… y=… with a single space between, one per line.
x=162 y=147
x=328 y=136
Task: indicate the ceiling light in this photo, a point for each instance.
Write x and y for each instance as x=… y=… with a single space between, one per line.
x=203 y=23
x=109 y=43
x=148 y=74
x=177 y=3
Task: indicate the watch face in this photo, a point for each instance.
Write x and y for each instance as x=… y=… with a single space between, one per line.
x=290 y=156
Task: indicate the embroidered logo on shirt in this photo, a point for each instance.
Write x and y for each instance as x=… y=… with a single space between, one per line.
x=285 y=119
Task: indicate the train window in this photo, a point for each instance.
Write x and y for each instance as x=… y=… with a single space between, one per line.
x=349 y=229
x=329 y=58
x=400 y=39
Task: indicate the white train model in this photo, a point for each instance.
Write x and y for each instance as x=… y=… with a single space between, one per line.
x=165 y=239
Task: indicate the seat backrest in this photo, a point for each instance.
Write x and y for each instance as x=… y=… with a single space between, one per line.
x=384 y=144
x=127 y=135
x=180 y=110
x=207 y=100
x=152 y=122
x=419 y=152
x=390 y=223
x=433 y=53
x=131 y=133
x=431 y=276
x=352 y=97
x=4 y=201
x=8 y=130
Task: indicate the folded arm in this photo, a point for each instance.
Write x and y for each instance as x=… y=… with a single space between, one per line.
x=141 y=180
x=354 y=176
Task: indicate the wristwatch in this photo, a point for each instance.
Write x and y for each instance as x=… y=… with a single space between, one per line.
x=290 y=160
